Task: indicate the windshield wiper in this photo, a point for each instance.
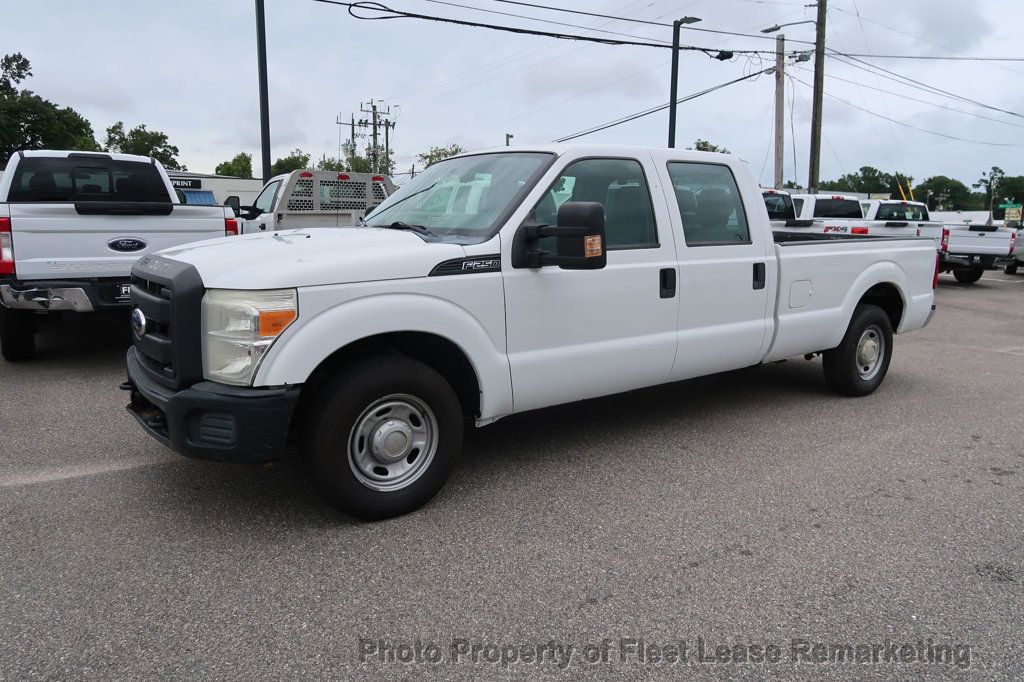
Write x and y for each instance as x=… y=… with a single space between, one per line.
x=399 y=225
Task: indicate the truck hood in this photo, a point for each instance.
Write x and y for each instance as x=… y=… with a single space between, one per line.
x=312 y=257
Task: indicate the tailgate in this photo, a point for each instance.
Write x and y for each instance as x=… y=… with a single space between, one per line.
x=984 y=241
x=55 y=241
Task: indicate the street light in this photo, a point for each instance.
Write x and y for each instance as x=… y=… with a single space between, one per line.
x=674 y=88
x=779 y=27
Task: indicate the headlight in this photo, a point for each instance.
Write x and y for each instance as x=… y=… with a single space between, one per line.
x=238 y=329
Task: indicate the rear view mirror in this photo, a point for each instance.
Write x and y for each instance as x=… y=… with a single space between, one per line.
x=234 y=203
x=579 y=238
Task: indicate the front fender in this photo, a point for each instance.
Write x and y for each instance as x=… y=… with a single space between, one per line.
x=302 y=348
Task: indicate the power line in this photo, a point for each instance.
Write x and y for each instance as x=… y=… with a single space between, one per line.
x=660 y=107
x=913 y=127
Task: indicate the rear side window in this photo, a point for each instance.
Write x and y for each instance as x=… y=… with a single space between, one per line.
x=780 y=206
x=798 y=207
x=837 y=208
x=78 y=179
x=709 y=204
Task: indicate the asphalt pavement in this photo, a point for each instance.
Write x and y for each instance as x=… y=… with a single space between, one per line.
x=750 y=524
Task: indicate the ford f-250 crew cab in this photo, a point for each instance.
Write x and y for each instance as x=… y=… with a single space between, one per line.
x=306 y=198
x=583 y=271
x=965 y=250
x=72 y=224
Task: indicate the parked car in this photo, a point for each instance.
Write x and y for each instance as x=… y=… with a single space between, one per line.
x=782 y=211
x=314 y=199
x=72 y=224
x=582 y=271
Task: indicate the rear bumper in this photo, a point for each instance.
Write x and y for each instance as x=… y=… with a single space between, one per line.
x=975 y=260
x=81 y=296
x=210 y=420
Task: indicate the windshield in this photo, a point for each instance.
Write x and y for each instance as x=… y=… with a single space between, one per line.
x=901 y=211
x=463 y=197
x=837 y=208
x=780 y=206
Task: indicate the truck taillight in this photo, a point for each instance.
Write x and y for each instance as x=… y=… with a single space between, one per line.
x=6 y=247
x=935 y=278
x=230 y=227
x=305 y=174
x=377 y=178
x=343 y=176
x=1013 y=241
x=944 y=244
x=859 y=230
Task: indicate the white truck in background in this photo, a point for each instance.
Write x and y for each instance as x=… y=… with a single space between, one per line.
x=580 y=271
x=71 y=226
x=965 y=250
x=307 y=198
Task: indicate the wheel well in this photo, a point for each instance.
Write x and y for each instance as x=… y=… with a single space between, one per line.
x=435 y=351
x=887 y=297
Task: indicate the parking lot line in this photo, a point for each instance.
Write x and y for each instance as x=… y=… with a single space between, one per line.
x=53 y=474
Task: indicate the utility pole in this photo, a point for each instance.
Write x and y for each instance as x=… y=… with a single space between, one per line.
x=819 y=88
x=377 y=120
x=674 y=86
x=508 y=138
x=780 y=107
x=261 y=57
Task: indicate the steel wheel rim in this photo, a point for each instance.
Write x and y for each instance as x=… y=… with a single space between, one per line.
x=393 y=442
x=870 y=352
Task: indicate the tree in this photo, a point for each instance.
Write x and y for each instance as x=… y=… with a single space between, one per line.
x=435 y=154
x=329 y=163
x=355 y=164
x=988 y=182
x=238 y=167
x=943 y=193
x=143 y=142
x=705 y=146
x=869 y=180
x=296 y=160
x=27 y=121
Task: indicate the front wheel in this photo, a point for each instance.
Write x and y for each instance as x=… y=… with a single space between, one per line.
x=383 y=436
x=17 y=335
x=968 y=275
x=858 y=364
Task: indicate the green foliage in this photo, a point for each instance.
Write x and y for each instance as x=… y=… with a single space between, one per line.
x=943 y=193
x=143 y=142
x=239 y=167
x=435 y=154
x=296 y=160
x=869 y=180
x=27 y=121
x=329 y=163
x=705 y=146
x=355 y=164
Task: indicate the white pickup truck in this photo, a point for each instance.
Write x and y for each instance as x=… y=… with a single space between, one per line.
x=71 y=226
x=306 y=198
x=965 y=250
x=583 y=271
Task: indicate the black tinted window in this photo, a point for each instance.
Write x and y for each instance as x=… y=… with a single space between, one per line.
x=617 y=184
x=901 y=212
x=780 y=206
x=86 y=179
x=837 y=208
x=709 y=204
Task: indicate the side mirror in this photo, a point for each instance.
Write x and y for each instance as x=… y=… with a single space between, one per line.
x=234 y=203
x=248 y=212
x=579 y=239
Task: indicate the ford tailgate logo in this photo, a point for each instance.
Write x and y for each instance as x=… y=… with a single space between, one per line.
x=126 y=244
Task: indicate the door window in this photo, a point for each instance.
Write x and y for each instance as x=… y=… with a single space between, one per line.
x=709 y=204
x=265 y=201
x=617 y=184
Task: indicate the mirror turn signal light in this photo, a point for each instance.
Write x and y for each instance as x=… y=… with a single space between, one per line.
x=592 y=246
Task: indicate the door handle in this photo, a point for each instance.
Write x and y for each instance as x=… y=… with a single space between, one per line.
x=759 y=276
x=263 y=226
x=667 y=282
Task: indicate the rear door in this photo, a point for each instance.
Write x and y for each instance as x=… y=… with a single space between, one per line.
x=90 y=216
x=726 y=269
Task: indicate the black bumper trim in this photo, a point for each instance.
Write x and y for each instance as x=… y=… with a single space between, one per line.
x=104 y=293
x=212 y=421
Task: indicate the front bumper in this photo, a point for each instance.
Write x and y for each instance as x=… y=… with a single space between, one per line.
x=82 y=296
x=210 y=420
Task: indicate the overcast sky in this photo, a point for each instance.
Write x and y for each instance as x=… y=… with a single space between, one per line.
x=188 y=68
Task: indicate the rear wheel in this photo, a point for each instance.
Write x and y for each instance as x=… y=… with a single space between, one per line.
x=968 y=275
x=858 y=364
x=1011 y=268
x=17 y=335
x=383 y=436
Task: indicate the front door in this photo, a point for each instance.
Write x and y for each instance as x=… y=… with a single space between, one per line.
x=576 y=334
x=726 y=275
x=263 y=219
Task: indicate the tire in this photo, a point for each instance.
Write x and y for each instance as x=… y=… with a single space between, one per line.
x=17 y=335
x=1011 y=268
x=968 y=275
x=846 y=370
x=382 y=436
